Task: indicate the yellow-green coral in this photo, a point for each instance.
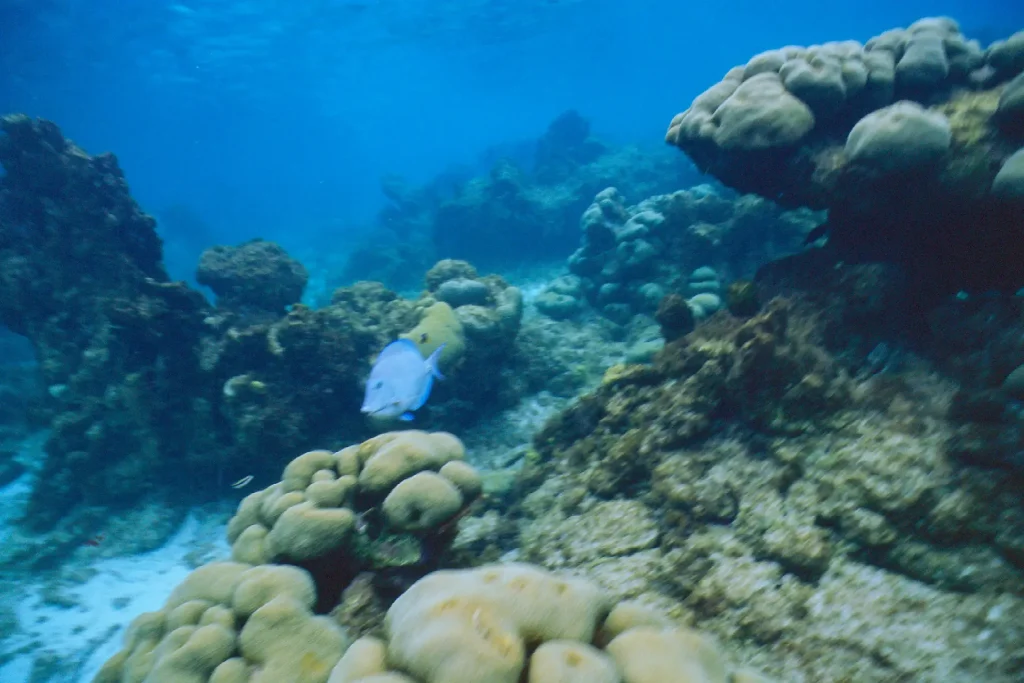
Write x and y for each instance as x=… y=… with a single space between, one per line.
x=970 y=116
x=438 y=326
x=225 y=609
x=509 y=623
x=313 y=510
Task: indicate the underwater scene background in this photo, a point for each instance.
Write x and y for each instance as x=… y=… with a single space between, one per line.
x=719 y=310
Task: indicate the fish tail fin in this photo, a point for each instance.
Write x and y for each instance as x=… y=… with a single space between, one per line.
x=434 y=360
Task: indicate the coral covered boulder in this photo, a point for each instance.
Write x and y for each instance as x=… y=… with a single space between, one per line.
x=255 y=275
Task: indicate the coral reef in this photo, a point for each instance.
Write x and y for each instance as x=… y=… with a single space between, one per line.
x=150 y=391
x=632 y=256
x=256 y=275
x=814 y=461
x=505 y=623
x=390 y=502
x=901 y=139
x=516 y=212
x=81 y=277
x=748 y=483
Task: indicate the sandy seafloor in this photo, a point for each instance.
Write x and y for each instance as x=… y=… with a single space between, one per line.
x=66 y=634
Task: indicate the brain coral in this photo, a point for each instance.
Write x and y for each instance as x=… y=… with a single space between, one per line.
x=508 y=623
x=340 y=510
x=231 y=623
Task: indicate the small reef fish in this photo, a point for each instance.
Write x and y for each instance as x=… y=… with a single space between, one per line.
x=401 y=380
x=242 y=483
x=94 y=541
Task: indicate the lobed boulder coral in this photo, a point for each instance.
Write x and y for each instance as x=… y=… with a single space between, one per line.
x=388 y=502
x=334 y=532
x=507 y=623
x=902 y=139
x=229 y=622
x=632 y=256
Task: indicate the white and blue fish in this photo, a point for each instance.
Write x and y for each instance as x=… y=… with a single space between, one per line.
x=401 y=380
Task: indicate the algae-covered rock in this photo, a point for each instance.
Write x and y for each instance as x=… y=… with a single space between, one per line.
x=256 y=274
x=463 y=291
x=448 y=269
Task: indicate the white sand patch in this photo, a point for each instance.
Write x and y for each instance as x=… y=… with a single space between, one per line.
x=75 y=639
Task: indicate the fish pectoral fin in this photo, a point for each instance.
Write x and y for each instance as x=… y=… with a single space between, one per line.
x=434 y=361
x=406 y=417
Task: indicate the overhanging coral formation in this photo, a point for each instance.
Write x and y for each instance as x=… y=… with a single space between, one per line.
x=901 y=139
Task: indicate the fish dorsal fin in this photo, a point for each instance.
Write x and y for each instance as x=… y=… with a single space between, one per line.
x=400 y=346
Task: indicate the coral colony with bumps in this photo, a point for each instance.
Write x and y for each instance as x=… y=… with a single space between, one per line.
x=766 y=433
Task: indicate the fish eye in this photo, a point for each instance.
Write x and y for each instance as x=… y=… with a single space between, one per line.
x=378 y=385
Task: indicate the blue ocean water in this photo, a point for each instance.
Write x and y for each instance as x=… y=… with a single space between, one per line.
x=276 y=119
x=369 y=138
